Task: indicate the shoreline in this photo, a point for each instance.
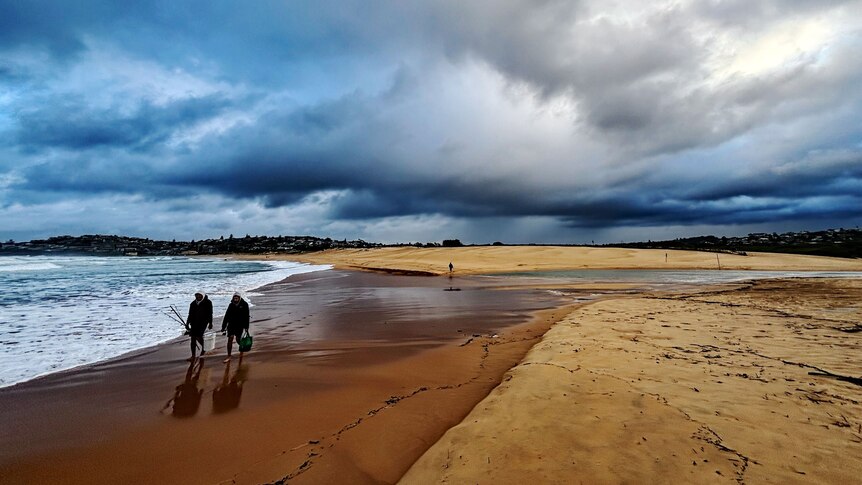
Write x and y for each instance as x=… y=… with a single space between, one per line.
x=131 y=353
x=323 y=400
x=112 y=409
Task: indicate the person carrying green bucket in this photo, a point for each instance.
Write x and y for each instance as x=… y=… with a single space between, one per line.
x=200 y=317
x=235 y=325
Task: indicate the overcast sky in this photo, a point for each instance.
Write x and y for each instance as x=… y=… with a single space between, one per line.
x=515 y=121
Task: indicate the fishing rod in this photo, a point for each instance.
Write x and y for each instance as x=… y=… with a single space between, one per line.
x=174 y=318
x=179 y=318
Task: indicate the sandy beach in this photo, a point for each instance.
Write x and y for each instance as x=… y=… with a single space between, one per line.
x=754 y=384
x=513 y=259
x=361 y=377
x=352 y=377
x=746 y=383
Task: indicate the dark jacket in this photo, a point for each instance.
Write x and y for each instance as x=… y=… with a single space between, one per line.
x=200 y=315
x=236 y=318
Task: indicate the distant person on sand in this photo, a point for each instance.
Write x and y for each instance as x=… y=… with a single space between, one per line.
x=451 y=267
x=235 y=322
x=200 y=317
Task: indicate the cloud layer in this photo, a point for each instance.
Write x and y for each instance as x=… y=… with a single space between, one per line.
x=524 y=121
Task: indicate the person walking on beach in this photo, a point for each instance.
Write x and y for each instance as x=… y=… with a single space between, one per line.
x=235 y=322
x=451 y=267
x=200 y=317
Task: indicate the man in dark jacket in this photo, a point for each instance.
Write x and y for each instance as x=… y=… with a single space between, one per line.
x=235 y=322
x=200 y=317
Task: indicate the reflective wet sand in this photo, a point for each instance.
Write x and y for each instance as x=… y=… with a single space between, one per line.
x=352 y=376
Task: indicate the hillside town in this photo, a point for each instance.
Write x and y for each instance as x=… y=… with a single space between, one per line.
x=846 y=243
x=840 y=242
x=134 y=246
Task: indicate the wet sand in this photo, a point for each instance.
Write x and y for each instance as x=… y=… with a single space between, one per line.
x=353 y=375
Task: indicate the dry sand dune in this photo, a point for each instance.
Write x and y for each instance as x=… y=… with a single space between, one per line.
x=758 y=384
x=503 y=259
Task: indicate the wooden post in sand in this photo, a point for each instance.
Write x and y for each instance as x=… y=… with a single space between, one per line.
x=718 y=261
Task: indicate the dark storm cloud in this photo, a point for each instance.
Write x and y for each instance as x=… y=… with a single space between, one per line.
x=245 y=42
x=594 y=212
x=727 y=201
x=636 y=212
x=292 y=153
x=44 y=25
x=287 y=153
x=754 y=196
x=72 y=124
x=444 y=194
x=347 y=97
x=834 y=173
x=83 y=177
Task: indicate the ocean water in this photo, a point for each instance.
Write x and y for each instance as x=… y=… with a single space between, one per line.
x=60 y=312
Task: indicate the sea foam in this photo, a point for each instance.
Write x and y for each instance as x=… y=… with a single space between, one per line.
x=60 y=312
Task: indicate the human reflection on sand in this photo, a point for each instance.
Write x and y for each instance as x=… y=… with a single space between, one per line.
x=187 y=397
x=228 y=394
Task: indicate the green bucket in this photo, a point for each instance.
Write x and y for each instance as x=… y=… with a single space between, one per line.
x=245 y=342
